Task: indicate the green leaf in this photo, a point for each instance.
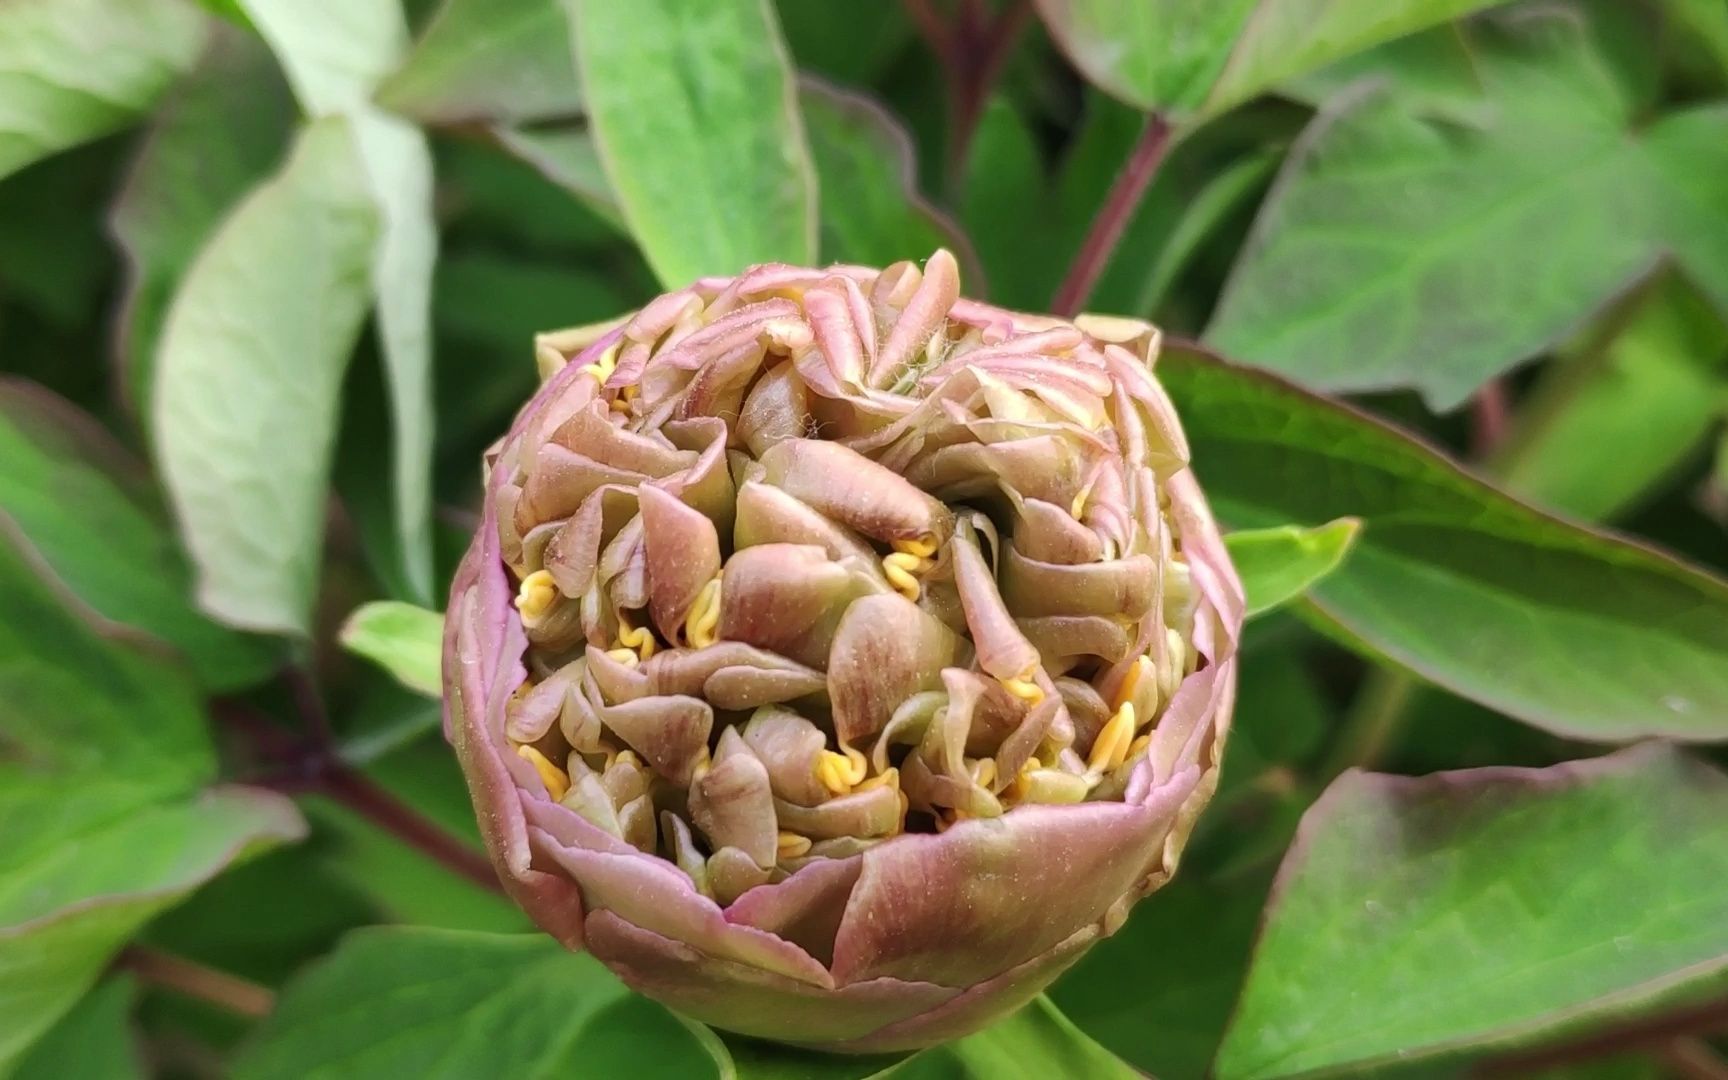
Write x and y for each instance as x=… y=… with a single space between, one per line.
x=67 y=491
x=251 y=364
x=420 y=1002
x=1571 y=630
x=52 y=96
x=335 y=53
x=94 y=1041
x=76 y=884
x=1485 y=908
x=1034 y=1043
x=569 y=158
x=1279 y=564
x=224 y=130
x=1184 y=58
x=405 y=640
x=1504 y=236
x=1603 y=427
x=695 y=112
x=871 y=211
x=1003 y=183
x=1168 y=1021
x=1706 y=21
x=488 y=60
x=101 y=821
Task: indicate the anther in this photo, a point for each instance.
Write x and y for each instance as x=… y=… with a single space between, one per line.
x=791 y=846
x=638 y=638
x=841 y=772
x=535 y=597
x=557 y=783
x=702 y=624
x=1110 y=749
x=603 y=368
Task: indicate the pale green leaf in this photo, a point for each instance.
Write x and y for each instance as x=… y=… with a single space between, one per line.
x=1571 y=630
x=54 y=95
x=405 y=640
x=1688 y=151
x=67 y=491
x=1414 y=918
x=251 y=366
x=1604 y=426
x=694 y=109
x=223 y=130
x=335 y=53
x=872 y=213
x=1184 y=58
x=1281 y=563
x=94 y=1041
x=420 y=1002
x=488 y=60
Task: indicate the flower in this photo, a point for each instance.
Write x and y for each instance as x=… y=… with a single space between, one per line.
x=839 y=658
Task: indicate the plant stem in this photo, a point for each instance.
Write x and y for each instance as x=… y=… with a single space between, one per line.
x=1375 y=717
x=1691 y=1058
x=1490 y=419
x=377 y=805
x=1647 y=1034
x=971 y=49
x=230 y=993
x=1113 y=218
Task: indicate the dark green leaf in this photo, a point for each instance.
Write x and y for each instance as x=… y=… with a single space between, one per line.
x=1179 y=57
x=1159 y=992
x=52 y=96
x=1466 y=910
x=68 y=490
x=872 y=213
x=252 y=360
x=1279 y=564
x=696 y=115
x=482 y=60
x=1605 y=425
x=1003 y=188
x=1568 y=629
x=223 y=131
x=568 y=158
x=92 y=1042
x=405 y=640
x=1503 y=237
x=420 y=1002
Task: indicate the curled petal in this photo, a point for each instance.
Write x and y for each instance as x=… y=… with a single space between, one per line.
x=848 y=487
x=885 y=650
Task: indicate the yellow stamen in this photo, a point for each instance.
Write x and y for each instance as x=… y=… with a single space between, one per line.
x=603 y=368
x=557 y=783
x=791 y=845
x=1111 y=747
x=1024 y=689
x=891 y=779
x=1022 y=780
x=1131 y=681
x=625 y=757
x=1138 y=745
x=639 y=638
x=627 y=657
x=841 y=772
x=1077 y=508
x=901 y=569
x=535 y=597
x=923 y=547
x=702 y=624
x=900 y=822
x=983 y=772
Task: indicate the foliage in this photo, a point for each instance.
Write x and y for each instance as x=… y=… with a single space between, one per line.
x=239 y=437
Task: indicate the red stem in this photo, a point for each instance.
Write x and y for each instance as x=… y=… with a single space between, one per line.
x=1113 y=218
x=194 y=980
x=379 y=806
x=1490 y=419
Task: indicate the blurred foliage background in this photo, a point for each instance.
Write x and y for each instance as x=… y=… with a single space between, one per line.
x=270 y=272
